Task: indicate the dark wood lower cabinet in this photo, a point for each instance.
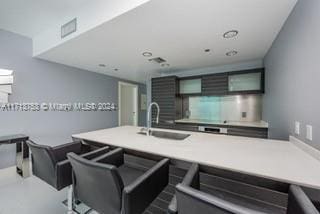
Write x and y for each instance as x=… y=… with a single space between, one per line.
x=248 y=132
x=232 y=130
x=186 y=127
x=235 y=186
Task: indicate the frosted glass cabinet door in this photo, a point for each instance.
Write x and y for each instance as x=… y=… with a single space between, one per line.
x=245 y=82
x=191 y=86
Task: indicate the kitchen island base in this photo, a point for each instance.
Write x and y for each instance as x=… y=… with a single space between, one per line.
x=237 y=187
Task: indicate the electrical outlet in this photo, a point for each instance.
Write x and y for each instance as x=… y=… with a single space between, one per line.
x=309 y=132
x=297 y=128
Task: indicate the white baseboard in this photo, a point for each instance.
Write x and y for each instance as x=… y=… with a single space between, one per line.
x=305 y=147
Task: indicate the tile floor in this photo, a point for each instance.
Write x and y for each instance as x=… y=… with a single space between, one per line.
x=28 y=196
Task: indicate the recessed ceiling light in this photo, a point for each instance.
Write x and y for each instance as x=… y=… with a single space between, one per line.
x=102 y=65
x=207 y=50
x=165 y=65
x=230 y=34
x=147 y=54
x=232 y=53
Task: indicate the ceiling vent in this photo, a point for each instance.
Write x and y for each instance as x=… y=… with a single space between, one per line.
x=69 y=28
x=158 y=60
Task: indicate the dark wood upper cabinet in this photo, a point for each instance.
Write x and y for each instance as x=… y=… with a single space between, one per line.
x=166 y=91
x=216 y=84
x=229 y=83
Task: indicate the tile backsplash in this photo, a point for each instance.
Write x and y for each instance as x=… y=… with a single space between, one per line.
x=246 y=108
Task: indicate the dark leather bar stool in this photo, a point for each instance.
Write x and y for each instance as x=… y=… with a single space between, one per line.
x=109 y=185
x=52 y=166
x=191 y=179
x=190 y=200
x=299 y=202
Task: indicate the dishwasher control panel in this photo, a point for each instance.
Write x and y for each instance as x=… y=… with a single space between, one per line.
x=217 y=130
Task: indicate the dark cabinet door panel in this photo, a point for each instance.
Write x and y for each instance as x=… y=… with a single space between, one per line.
x=161 y=80
x=248 y=132
x=186 y=127
x=164 y=91
x=163 y=95
x=163 y=99
x=216 y=84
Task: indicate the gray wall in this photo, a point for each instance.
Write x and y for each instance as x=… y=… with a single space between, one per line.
x=41 y=81
x=293 y=75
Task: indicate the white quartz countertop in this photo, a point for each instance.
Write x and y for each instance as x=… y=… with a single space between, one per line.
x=258 y=124
x=277 y=160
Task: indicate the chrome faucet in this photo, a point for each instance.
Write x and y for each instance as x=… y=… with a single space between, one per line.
x=149 y=116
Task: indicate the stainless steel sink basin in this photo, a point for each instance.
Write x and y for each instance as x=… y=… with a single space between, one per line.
x=167 y=135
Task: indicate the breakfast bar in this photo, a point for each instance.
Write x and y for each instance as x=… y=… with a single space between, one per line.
x=277 y=160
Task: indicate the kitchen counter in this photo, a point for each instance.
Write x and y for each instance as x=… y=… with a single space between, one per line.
x=259 y=124
x=273 y=159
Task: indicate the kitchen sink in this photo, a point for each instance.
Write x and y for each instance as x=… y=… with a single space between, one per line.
x=167 y=135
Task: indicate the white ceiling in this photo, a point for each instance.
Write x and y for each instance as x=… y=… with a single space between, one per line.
x=176 y=30
x=31 y=17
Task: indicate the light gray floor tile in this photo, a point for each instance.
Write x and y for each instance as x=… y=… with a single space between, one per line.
x=28 y=196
